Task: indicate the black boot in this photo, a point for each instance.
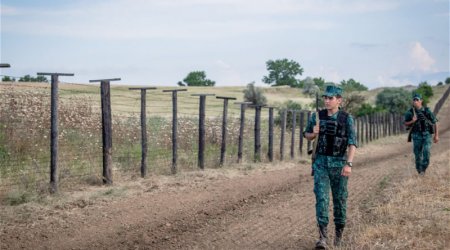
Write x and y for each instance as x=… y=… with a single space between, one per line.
x=339 y=231
x=322 y=243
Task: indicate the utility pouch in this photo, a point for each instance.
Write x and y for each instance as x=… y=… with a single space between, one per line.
x=331 y=128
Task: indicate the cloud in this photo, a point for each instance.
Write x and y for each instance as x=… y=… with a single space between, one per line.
x=420 y=58
x=388 y=81
x=188 y=19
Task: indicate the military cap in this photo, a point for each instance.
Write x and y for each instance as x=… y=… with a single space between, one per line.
x=417 y=96
x=332 y=91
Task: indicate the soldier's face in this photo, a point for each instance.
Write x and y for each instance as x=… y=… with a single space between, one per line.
x=417 y=102
x=332 y=102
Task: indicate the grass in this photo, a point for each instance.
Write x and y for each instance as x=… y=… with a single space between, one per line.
x=409 y=214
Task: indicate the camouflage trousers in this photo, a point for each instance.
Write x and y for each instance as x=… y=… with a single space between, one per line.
x=328 y=176
x=422 y=148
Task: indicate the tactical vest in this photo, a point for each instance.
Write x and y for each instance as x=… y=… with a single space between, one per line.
x=333 y=138
x=423 y=122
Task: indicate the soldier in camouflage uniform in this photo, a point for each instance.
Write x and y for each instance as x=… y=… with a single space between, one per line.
x=332 y=166
x=423 y=124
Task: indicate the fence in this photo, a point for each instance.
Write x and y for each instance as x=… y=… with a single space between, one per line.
x=154 y=132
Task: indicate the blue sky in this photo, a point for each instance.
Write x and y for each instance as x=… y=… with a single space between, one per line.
x=158 y=42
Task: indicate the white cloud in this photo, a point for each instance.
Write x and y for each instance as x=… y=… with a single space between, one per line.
x=386 y=81
x=7 y=10
x=421 y=58
x=121 y=19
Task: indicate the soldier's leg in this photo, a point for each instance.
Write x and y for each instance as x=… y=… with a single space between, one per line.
x=426 y=153
x=418 y=152
x=321 y=190
x=340 y=193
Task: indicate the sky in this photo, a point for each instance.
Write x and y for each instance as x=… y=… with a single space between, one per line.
x=383 y=43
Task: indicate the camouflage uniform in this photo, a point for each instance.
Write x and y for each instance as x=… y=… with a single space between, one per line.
x=421 y=136
x=327 y=174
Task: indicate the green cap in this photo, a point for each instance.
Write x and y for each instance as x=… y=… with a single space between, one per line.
x=332 y=91
x=417 y=96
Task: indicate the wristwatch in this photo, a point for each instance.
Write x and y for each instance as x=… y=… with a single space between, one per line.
x=350 y=164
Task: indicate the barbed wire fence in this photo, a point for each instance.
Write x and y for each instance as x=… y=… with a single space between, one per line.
x=25 y=144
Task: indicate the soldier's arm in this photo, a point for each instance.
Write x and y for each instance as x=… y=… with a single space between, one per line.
x=436 y=133
x=410 y=119
x=309 y=131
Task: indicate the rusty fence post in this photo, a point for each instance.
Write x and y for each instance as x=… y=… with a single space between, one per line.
x=53 y=127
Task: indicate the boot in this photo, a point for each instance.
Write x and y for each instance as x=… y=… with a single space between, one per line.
x=322 y=242
x=339 y=231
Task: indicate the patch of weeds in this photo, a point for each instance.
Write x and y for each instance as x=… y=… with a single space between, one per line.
x=447 y=209
x=16 y=197
x=114 y=192
x=384 y=182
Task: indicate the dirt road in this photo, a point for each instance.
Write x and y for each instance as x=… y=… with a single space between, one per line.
x=268 y=207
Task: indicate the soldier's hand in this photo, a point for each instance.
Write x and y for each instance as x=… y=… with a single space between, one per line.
x=414 y=119
x=436 y=139
x=346 y=171
x=316 y=129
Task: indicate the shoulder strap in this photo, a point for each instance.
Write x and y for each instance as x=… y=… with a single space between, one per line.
x=323 y=114
x=342 y=118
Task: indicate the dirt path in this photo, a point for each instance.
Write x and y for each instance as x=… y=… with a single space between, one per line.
x=268 y=208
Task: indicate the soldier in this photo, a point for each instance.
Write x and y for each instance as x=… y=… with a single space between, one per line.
x=423 y=124
x=333 y=163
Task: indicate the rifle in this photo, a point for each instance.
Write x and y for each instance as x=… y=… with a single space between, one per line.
x=411 y=127
x=316 y=140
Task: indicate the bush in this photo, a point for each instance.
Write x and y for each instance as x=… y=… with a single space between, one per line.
x=289 y=105
x=254 y=95
x=394 y=100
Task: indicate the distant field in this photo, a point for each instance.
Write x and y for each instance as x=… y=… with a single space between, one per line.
x=125 y=101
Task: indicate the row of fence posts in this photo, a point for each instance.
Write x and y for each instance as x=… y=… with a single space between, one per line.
x=441 y=101
x=374 y=126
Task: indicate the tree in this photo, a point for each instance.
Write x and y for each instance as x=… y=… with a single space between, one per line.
x=198 y=78
x=28 y=78
x=283 y=72
x=254 y=95
x=352 y=102
x=352 y=85
x=426 y=91
x=8 y=79
x=367 y=109
x=447 y=81
x=440 y=84
x=309 y=87
x=289 y=105
x=320 y=82
x=394 y=100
